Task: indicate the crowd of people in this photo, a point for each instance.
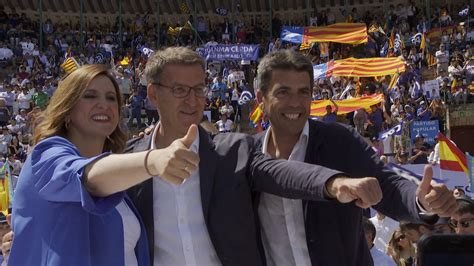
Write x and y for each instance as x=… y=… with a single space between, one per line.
x=28 y=93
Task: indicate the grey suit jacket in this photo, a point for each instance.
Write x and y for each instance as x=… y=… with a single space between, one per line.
x=230 y=168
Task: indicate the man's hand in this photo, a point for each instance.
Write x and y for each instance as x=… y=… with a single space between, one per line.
x=433 y=197
x=176 y=162
x=365 y=191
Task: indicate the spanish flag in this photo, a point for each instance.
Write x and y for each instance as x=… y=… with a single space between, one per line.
x=451 y=157
x=256 y=115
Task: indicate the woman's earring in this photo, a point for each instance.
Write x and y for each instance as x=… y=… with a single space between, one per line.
x=66 y=124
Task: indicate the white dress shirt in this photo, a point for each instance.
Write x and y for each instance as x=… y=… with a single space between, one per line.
x=131 y=233
x=283 y=230
x=384 y=229
x=181 y=236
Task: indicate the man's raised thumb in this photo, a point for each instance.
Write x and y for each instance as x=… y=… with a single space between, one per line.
x=188 y=139
x=425 y=183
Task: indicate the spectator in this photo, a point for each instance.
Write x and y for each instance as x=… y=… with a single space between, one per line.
x=414 y=231
x=331 y=116
x=227 y=109
x=40 y=98
x=379 y=257
x=442 y=59
x=423 y=113
x=4 y=114
x=463 y=219
x=384 y=226
x=375 y=121
x=400 y=249
x=458 y=192
x=419 y=152
x=135 y=103
x=219 y=89
x=225 y=125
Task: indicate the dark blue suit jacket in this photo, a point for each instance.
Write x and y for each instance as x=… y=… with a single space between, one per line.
x=230 y=168
x=334 y=231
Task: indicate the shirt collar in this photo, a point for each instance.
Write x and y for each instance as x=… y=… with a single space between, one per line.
x=302 y=139
x=194 y=145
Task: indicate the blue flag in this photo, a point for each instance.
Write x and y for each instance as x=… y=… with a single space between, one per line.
x=394 y=131
x=245 y=97
x=470 y=166
x=292 y=34
x=464 y=12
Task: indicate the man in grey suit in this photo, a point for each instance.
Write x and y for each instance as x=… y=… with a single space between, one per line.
x=199 y=210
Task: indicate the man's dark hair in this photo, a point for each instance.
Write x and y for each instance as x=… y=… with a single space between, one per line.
x=282 y=60
x=414 y=226
x=465 y=205
x=369 y=227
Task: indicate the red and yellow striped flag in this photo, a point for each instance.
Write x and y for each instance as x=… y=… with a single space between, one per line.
x=368 y=67
x=393 y=81
x=431 y=60
x=450 y=157
x=349 y=33
x=318 y=108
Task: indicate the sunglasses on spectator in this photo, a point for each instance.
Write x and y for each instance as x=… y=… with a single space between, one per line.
x=464 y=224
x=400 y=237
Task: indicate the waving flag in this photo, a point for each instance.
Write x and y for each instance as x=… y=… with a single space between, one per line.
x=464 y=12
x=318 y=108
x=394 y=131
x=349 y=33
x=146 y=51
x=69 y=65
x=470 y=166
x=450 y=157
x=292 y=34
x=245 y=96
x=393 y=81
x=368 y=67
x=417 y=38
x=323 y=70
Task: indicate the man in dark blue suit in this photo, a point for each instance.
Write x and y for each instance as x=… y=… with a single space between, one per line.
x=198 y=210
x=300 y=232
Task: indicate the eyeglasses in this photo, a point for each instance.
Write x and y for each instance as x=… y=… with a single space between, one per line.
x=181 y=91
x=464 y=224
x=400 y=237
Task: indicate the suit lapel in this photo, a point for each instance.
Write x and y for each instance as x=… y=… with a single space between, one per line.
x=144 y=199
x=207 y=169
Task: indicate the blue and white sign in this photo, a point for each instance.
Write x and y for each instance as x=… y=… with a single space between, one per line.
x=394 y=131
x=230 y=52
x=429 y=129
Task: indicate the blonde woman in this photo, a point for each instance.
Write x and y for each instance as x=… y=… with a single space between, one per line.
x=401 y=249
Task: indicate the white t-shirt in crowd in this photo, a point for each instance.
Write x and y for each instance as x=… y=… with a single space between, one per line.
x=224 y=126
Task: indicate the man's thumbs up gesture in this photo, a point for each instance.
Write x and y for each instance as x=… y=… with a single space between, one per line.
x=433 y=197
x=176 y=162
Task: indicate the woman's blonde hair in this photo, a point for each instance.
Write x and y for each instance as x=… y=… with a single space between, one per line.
x=394 y=249
x=67 y=95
